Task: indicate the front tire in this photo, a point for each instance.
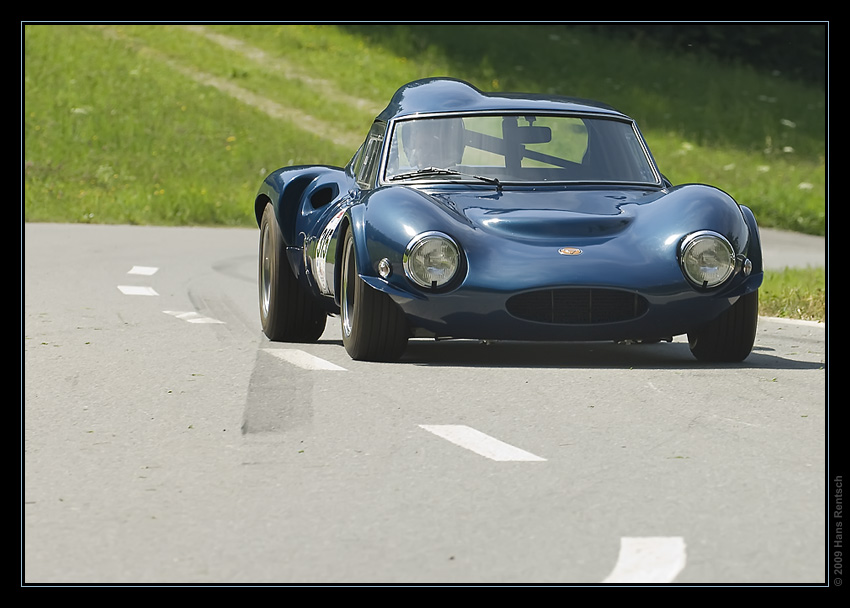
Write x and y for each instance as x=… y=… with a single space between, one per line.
x=287 y=313
x=730 y=337
x=373 y=326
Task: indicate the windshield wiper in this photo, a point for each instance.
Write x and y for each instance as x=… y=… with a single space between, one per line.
x=431 y=171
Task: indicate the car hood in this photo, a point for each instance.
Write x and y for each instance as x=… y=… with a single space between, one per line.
x=524 y=238
x=548 y=214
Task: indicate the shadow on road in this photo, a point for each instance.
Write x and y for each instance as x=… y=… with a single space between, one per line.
x=605 y=355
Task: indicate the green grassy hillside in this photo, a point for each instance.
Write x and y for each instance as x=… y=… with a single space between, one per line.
x=178 y=124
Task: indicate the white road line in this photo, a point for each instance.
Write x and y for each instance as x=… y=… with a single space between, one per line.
x=796 y=322
x=191 y=317
x=480 y=443
x=304 y=360
x=656 y=559
x=137 y=290
x=143 y=270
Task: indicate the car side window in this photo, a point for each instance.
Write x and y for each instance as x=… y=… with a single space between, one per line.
x=370 y=156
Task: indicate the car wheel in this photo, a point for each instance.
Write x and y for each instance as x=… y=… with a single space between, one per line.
x=286 y=311
x=730 y=337
x=373 y=326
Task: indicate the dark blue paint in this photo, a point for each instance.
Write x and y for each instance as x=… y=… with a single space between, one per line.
x=510 y=237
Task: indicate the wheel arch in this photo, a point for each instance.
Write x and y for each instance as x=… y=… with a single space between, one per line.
x=260 y=204
x=284 y=189
x=754 y=251
x=344 y=227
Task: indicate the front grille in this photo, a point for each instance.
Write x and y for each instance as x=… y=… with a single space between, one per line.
x=577 y=306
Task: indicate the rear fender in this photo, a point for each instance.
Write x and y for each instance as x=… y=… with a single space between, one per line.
x=295 y=192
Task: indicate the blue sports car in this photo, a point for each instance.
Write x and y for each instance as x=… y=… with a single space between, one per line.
x=501 y=216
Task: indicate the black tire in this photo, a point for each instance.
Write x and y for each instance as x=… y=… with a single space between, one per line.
x=373 y=326
x=286 y=311
x=730 y=337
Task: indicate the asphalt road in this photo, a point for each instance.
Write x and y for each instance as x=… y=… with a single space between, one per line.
x=165 y=440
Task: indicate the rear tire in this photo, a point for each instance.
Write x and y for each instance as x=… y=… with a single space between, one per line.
x=373 y=326
x=287 y=312
x=730 y=337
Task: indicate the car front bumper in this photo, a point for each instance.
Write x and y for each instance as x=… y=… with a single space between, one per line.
x=564 y=312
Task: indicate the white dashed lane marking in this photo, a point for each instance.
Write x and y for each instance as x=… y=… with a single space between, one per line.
x=191 y=317
x=144 y=290
x=304 y=360
x=480 y=443
x=656 y=559
x=143 y=270
x=137 y=290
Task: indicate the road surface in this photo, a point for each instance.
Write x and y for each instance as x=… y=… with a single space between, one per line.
x=165 y=440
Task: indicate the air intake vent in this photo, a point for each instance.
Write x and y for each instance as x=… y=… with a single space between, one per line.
x=577 y=306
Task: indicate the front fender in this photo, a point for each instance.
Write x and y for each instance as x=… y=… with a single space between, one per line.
x=754 y=252
x=687 y=208
x=386 y=221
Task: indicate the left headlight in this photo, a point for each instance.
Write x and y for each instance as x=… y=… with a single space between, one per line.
x=431 y=259
x=707 y=258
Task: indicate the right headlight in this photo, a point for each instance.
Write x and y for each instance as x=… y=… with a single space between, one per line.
x=707 y=258
x=431 y=260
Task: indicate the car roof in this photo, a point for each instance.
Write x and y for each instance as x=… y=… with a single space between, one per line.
x=436 y=95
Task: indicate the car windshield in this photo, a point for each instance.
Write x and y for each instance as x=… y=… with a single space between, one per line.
x=518 y=148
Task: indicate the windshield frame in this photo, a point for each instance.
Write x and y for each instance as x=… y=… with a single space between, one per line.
x=479 y=175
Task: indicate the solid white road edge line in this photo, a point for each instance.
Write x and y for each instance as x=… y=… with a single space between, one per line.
x=304 y=360
x=653 y=559
x=796 y=321
x=480 y=443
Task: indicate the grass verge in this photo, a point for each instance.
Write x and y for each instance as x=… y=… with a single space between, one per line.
x=794 y=293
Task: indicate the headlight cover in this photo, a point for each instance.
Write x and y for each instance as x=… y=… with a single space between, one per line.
x=431 y=260
x=707 y=259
